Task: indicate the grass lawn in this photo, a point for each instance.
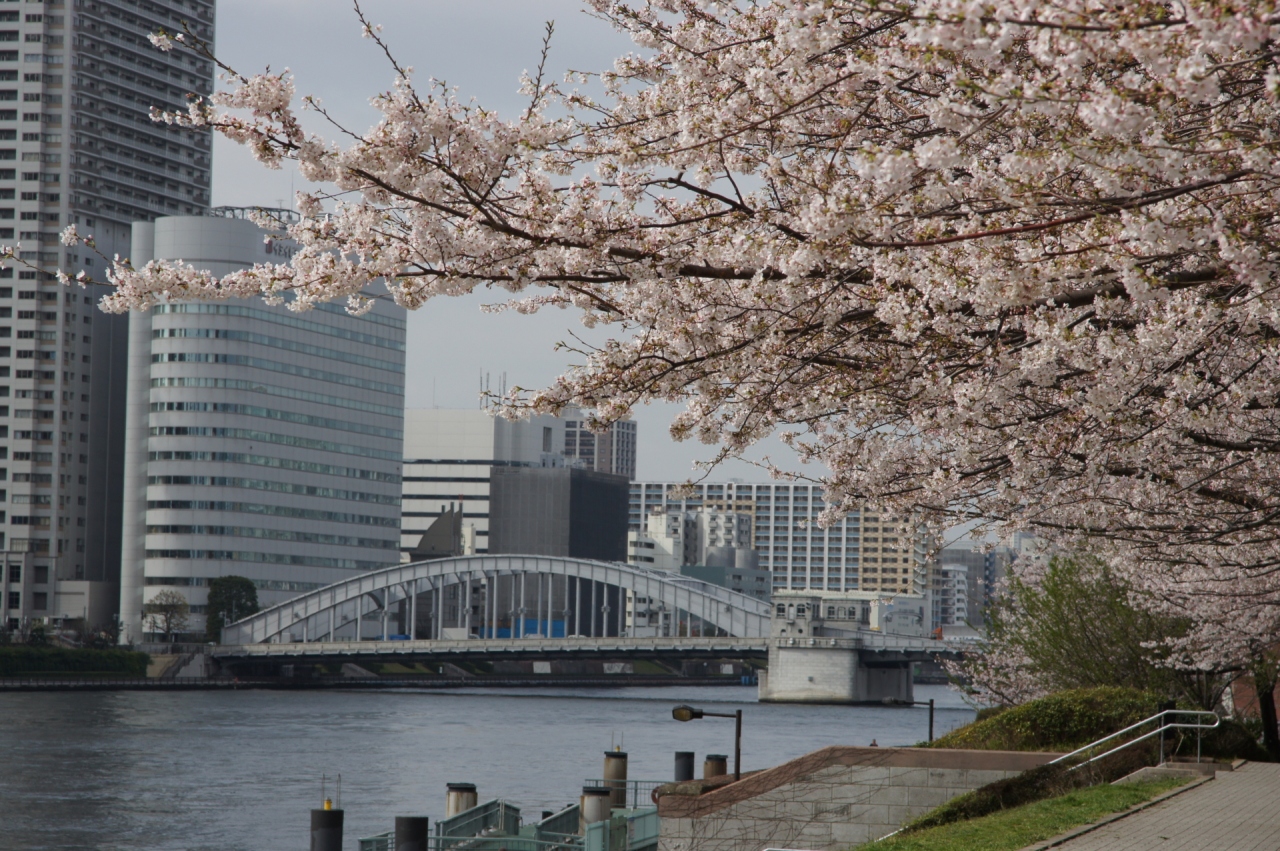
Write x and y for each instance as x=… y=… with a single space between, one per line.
x=1021 y=826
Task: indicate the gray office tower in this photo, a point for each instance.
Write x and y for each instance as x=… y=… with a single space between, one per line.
x=260 y=441
x=77 y=147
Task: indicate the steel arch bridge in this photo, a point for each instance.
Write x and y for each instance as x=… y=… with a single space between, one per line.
x=513 y=597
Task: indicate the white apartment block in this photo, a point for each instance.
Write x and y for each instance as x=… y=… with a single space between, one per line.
x=951 y=598
x=866 y=551
x=661 y=544
x=675 y=539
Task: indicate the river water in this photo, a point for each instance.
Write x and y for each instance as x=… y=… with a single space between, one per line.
x=217 y=771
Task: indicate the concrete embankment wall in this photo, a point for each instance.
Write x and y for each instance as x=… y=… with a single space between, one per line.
x=830 y=799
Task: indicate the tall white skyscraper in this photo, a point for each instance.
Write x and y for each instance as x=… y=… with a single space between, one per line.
x=261 y=442
x=77 y=146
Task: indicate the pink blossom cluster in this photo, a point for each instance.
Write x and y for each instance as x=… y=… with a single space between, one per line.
x=1005 y=261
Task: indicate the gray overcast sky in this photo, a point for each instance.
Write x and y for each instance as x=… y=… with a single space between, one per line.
x=481 y=47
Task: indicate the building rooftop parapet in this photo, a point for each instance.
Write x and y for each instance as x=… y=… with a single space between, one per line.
x=282 y=214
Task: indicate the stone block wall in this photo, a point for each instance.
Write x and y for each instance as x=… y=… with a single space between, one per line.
x=831 y=799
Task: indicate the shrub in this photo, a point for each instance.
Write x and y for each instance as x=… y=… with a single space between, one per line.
x=1231 y=740
x=1060 y=722
x=16 y=660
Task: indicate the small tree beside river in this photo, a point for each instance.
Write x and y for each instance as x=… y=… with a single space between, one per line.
x=167 y=613
x=230 y=599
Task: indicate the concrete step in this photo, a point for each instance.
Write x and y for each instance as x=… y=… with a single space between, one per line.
x=1174 y=769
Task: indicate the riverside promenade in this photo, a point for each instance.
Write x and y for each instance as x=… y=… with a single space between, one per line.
x=1236 y=811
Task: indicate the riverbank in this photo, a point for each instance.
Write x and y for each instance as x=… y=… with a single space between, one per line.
x=101 y=683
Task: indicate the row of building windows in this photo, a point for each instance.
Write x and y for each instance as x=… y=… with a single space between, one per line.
x=39 y=600
x=275 y=487
x=271 y=390
x=278 y=463
x=272 y=511
x=266 y=558
x=276 y=343
x=278 y=318
x=275 y=535
x=260 y=584
x=270 y=437
x=277 y=366
x=375 y=318
x=273 y=414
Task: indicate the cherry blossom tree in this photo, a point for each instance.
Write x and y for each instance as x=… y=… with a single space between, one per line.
x=1012 y=262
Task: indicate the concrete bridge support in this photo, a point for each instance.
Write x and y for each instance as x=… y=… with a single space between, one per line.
x=824 y=674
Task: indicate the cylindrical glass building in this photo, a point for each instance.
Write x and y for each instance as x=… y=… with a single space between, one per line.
x=260 y=441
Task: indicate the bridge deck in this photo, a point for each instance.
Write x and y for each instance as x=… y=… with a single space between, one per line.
x=578 y=647
x=542 y=647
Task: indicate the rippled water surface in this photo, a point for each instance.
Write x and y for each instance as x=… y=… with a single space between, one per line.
x=215 y=771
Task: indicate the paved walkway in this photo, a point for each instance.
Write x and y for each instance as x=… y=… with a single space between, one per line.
x=1238 y=811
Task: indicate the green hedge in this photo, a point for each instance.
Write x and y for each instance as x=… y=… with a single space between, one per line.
x=1071 y=719
x=1060 y=722
x=17 y=661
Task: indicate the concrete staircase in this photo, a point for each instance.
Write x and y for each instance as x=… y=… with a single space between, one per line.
x=1189 y=769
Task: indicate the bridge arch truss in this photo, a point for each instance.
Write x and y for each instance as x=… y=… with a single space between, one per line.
x=506 y=596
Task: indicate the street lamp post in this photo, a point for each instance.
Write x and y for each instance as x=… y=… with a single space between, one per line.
x=688 y=713
x=892 y=701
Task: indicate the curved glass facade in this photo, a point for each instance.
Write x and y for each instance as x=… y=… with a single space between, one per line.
x=261 y=442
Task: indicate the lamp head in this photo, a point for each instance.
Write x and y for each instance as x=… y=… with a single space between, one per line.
x=685 y=713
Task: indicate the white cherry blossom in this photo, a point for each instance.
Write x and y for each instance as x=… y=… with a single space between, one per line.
x=1012 y=261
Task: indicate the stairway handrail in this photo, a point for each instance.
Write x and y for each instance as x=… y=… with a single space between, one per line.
x=1164 y=725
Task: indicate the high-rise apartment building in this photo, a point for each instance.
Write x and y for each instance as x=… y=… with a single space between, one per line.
x=865 y=551
x=611 y=451
x=261 y=442
x=77 y=146
x=671 y=540
x=984 y=569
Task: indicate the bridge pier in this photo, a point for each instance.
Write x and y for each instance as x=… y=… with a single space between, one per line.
x=817 y=674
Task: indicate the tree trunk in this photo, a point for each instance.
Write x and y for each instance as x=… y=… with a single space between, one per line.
x=1264 y=684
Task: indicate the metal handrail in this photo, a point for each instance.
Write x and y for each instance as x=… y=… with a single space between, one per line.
x=1164 y=725
x=638 y=791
